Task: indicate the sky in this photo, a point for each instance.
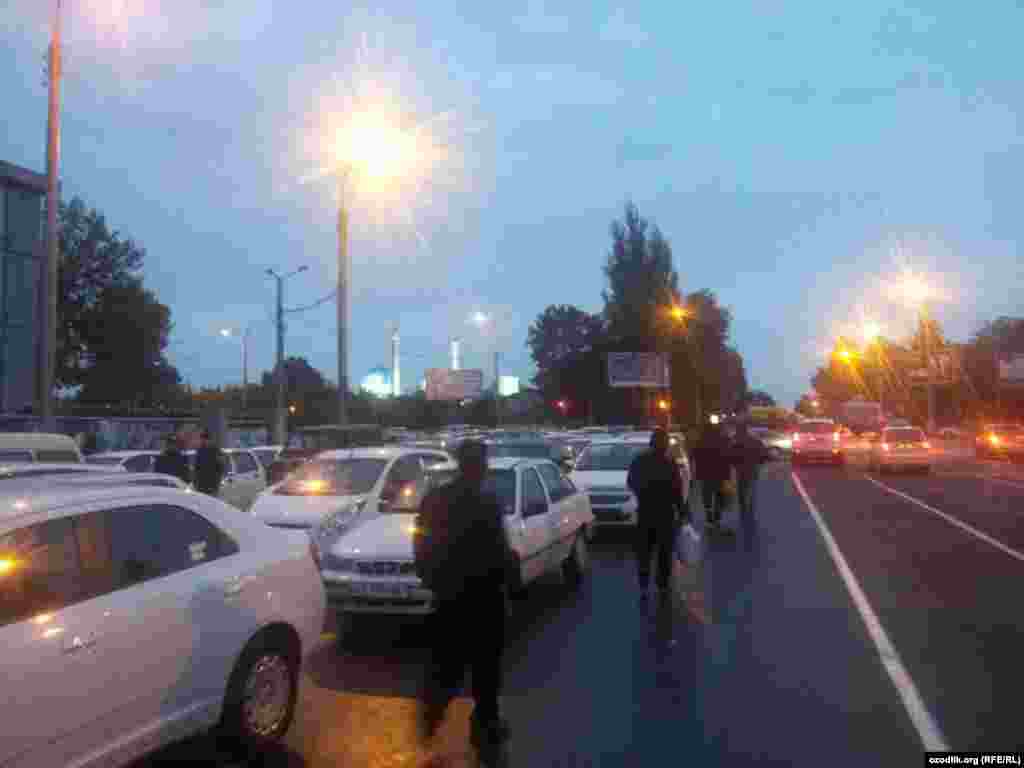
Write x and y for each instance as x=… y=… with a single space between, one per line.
x=797 y=155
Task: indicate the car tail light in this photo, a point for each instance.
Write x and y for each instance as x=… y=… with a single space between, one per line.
x=835 y=437
x=885 y=446
x=796 y=437
x=926 y=445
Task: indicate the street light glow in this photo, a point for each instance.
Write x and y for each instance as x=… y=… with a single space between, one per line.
x=679 y=313
x=870 y=331
x=372 y=144
x=225 y=332
x=478 y=319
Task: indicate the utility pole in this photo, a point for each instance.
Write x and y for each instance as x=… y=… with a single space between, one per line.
x=928 y=351
x=48 y=276
x=497 y=388
x=280 y=416
x=344 y=278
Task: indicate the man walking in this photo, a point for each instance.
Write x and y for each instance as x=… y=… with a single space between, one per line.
x=712 y=453
x=210 y=465
x=172 y=461
x=462 y=554
x=655 y=481
x=749 y=454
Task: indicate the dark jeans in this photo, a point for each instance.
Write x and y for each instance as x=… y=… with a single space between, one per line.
x=657 y=541
x=713 y=492
x=746 y=487
x=468 y=631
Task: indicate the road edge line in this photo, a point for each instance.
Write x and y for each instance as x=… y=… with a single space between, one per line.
x=952 y=520
x=927 y=728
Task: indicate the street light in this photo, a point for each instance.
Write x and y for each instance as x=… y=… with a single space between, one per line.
x=228 y=333
x=681 y=315
x=916 y=292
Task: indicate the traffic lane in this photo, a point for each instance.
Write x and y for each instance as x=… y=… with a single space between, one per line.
x=941 y=595
x=993 y=506
x=592 y=678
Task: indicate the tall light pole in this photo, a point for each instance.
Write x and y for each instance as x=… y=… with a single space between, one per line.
x=683 y=316
x=917 y=292
x=48 y=277
x=280 y=416
x=344 y=282
x=227 y=333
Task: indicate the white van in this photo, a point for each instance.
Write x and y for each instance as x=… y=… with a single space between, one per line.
x=23 y=447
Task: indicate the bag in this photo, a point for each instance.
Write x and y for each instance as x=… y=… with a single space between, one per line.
x=688 y=575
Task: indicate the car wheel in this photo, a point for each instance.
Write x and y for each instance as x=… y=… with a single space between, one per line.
x=574 y=567
x=262 y=691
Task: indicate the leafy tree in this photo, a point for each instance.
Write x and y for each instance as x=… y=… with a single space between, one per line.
x=560 y=333
x=642 y=283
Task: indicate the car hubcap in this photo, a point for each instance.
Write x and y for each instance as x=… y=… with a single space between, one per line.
x=267 y=692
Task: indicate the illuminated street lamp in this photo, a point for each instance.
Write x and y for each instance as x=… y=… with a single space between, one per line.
x=913 y=289
x=681 y=315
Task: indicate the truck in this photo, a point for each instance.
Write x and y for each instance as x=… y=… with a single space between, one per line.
x=862 y=416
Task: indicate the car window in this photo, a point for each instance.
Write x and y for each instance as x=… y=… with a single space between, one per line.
x=128 y=545
x=16 y=456
x=613 y=457
x=266 y=457
x=244 y=462
x=139 y=463
x=534 y=500
x=407 y=479
x=57 y=456
x=502 y=483
x=38 y=570
x=106 y=461
x=557 y=484
x=333 y=477
x=432 y=459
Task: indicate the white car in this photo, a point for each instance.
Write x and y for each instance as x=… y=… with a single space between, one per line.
x=369 y=568
x=130 y=461
x=902 y=448
x=335 y=488
x=131 y=617
x=244 y=477
x=601 y=472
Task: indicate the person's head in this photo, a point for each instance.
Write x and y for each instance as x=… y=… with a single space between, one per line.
x=659 y=442
x=472 y=458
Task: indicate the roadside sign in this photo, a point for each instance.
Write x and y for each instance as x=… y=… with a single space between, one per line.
x=638 y=369
x=448 y=384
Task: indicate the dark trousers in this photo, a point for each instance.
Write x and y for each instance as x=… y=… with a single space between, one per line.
x=746 y=486
x=468 y=631
x=657 y=541
x=713 y=492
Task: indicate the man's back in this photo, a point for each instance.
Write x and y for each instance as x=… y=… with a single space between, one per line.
x=209 y=467
x=656 y=482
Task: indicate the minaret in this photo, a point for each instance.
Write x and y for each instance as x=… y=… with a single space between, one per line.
x=455 y=353
x=396 y=371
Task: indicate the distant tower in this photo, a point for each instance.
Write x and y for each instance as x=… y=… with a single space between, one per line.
x=455 y=353
x=396 y=373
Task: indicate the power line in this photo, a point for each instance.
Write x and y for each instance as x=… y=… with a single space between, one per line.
x=315 y=304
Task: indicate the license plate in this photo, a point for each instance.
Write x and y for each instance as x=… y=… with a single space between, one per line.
x=383 y=590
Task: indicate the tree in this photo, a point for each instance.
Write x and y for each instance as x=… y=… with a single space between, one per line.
x=93 y=259
x=560 y=333
x=124 y=334
x=760 y=398
x=642 y=283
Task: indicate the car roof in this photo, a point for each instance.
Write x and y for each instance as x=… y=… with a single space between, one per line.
x=122 y=454
x=376 y=452
x=511 y=462
x=48 y=469
x=25 y=500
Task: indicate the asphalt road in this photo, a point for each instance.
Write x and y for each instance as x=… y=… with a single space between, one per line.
x=785 y=673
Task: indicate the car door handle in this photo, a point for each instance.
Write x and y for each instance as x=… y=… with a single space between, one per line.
x=79 y=643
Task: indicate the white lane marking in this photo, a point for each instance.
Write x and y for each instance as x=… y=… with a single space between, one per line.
x=927 y=729
x=952 y=521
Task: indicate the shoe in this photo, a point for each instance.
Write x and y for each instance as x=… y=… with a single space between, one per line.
x=489 y=731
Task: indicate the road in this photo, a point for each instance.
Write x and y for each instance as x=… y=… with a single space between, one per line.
x=786 y=673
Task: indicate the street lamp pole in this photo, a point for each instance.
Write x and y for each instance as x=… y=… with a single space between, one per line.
x=279 y=411
x=344 y=280
x=927 y=348
x=49 y=278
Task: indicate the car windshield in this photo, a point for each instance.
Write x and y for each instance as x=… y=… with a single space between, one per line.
x=817 y=428
x=904 y=435
x=333 y=477
x=502 y=483
x=106 y=461
x=266 y=456
x=609 y=458
x=519 y=450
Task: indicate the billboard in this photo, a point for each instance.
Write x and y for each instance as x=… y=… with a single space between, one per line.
x=446 y=384
x=638 y=369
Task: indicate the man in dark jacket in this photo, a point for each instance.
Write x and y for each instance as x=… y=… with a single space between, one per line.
x=173 y=462
x=463 y=555
x=210 y=466
x=655 y=481
x=714 y=465
x=748 y=454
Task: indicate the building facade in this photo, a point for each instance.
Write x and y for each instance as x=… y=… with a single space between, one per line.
x=21 y=205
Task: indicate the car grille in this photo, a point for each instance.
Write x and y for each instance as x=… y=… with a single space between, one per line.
x=608 y=500
x=385 y=568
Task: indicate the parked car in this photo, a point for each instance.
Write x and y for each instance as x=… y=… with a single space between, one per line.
x=244 y=477
x=902 y=448
x=560 y=453
x=131 y=617
x=601 y=472
x=368 y=568
x=266 y=454
x=307 y=442
x=38 y=446
x=130 y=461
x=18 y=471
x=332 y=491
x=1001 y=441
x=817 y=440
x=102 y=478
